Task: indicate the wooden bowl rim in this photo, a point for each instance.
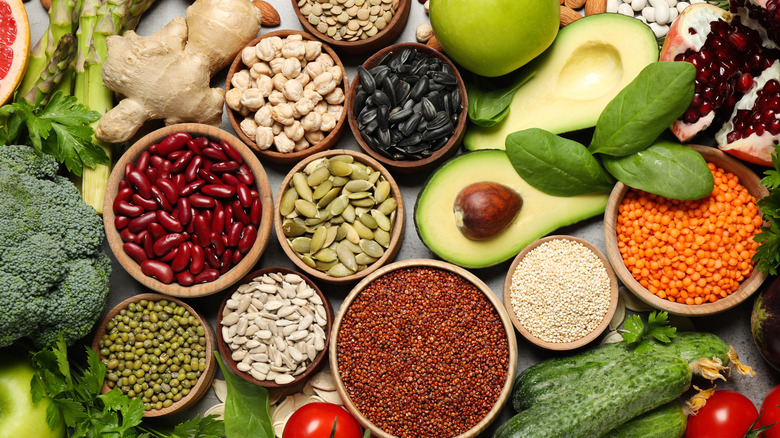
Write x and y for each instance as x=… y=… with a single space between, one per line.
x=206 y=377
x=292 y=157
x=390 y=31
x=225 y=280
x=449 y=148
x=396 y=237
x=597 y=331
x=312 y=368
x=749 y=180
x=473 y=279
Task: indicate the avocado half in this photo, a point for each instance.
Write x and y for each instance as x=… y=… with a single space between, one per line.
x=590 y=61
x=540 y=213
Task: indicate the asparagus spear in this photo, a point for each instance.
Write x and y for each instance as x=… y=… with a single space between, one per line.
x=53 y=74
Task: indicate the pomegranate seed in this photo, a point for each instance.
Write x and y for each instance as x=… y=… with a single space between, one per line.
x=745 y=82
x=705 y=109
x=690 y=116
x=759 y=130
x=739 y=41
x=774 y=127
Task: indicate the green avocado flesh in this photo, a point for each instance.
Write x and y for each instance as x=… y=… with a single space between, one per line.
x=590 y=61
x=540 y=213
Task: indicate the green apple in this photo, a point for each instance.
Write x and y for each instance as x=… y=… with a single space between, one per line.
x=494 y=37
x=19 y=417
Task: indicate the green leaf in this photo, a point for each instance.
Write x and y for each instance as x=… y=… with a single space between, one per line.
x=659 y=328
x=767 y=256
x=666 y=169
x=633 y=329
x=555 y=165
x=638 y=334
x=644 y=109
x=333 y=430
x=489 y=98
x=93 y=377
x=200 y=427
x=246 y=407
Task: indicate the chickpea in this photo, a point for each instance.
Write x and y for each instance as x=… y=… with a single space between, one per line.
x=324 y=83
x=252 y=99
x=249 y=56
x=325 y=60
x=265 y=49
x=258 y=69
x=311 y=122
x=321 y=107
x=336 y=72
x=283 y=143
x=264 y=137
x=263 y=116
x=313 y=50
x=293 y=91
x=294 y=132
x=265 y=84
x=241 y=79
x=276 y=98
x=314 y=137
x=233 y=98
x=279 y=80
x=328 y=122
x=248 y=127
x=335 y=110
x=314 y=69
x=335 y=97
x=276 y=65
x=304 y=106
x=291 y=68
x=301 y=145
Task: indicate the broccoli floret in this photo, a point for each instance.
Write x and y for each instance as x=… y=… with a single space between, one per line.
x=54 y=274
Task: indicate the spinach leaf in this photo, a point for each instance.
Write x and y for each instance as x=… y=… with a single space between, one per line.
x=555 y=165
x=644 y=109
x=246 y=407
x=488 y=102
x=665 y=168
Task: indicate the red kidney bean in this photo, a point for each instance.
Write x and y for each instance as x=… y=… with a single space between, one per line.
x=169 y=256
x=207 y=164
x=143 y=161
x=175 y=155
x=122 y=185
x=169 y=189
x=147 y=204
x=207 y=276
x=228 y=216
x=215 y=145
x=214 y=154
x=218 y=222
x=178 y=181
x=227 y=261
x=140 y=182
x=156 y=231
x=135 y=252
x=121 y=222
x=218 y=190
x=182 y=259
x=168 y=242
x=237 y=256
x=149 y=245
x=201 y=201
x=191 y=171
x=185 y=211
x=173 y=142
x=245 y=175
x=123 y=195
x=225 y=166
x=218 y=243
x=162 y=201
x=141 y=222
x=254 y=193
x=127 y=209
x=153 y=149
x=231 y=152
x=127 y=236
x=158 y=270
x=202 y=229
x=182 y=162
x=211 y=258
x=170 y=223
x=129 y=168
x=209 y=176
x=256 y=212
x=244 y=196
x=247 y=239
x=229 y=179
x=234 y=234
x=239 y=214
x=139 y=238
x=208 y=215
x=156 y=161
x=198 y=259
x=165 y=170
x=151 y=174
x=192 y=187
x=184 y=278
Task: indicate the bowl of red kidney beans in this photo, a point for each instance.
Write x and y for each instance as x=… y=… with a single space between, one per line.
x=188 y=210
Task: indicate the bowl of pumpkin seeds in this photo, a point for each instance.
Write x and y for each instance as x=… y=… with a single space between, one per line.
x=340 y=216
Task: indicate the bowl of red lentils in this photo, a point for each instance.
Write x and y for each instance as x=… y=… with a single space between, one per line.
x=690 y=258
x=560 y=292
x=423 y=348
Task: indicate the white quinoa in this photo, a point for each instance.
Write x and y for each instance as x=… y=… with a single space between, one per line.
x=560 y=291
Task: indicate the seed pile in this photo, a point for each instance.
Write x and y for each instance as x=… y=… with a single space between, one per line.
x=658 y=14
x=275 y=326
x=155 y=350
x=349 y=20
x=407 y=106
x=338 y=215
x=690 y=252
x=422 y=353
x=560 y=291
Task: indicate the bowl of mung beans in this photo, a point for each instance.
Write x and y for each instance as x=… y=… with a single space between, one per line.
x=689 y=258
x=159 y=349
x=354 y=27
x=561 y=292
x=339 y=216
x=423 y=348
x=275 y=328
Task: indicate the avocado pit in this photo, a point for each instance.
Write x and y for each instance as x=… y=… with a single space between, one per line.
x=483 y=209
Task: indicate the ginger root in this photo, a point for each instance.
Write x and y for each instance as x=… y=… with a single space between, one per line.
x=166 y=75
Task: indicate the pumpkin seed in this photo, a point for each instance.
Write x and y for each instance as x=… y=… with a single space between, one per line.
x=330 y=236
x=340 y=168
x=321 y=217
x=352 y=246
x=326 y=255
x=306 y=208
x=382 y=237
x=287 y=205
x=363 y=231
x=339 y=270
x=301 y=244
x=387 y=206
x=339 y=205
x=365 y=202
x=374 y=177
x=368 y=220
x=318 y=239
x=371 y=248
x=381 y=191
x=309 y=261
x=324 y=266
x=359 y=171
x=381 y=220
x=346 y=256
x=318 y=177
x=341 y=232
x=329 y=197
x=364 y=259
x=337 y=220
x=343 y=157
x=352 y=235
x=314 y=165
x=359 y=195
x=292 y=229
x=323 y=189
x=349 y=214
x=358 y=185
x=339 y=181
x=303 y=189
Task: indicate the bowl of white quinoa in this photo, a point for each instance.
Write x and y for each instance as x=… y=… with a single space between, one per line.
x=560 y=292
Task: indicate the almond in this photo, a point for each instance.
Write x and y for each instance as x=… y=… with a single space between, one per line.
x=595 y=7
x=46 y=4
x=569 y=15
x=574 y=4
x=271 y=18
x=434 y=44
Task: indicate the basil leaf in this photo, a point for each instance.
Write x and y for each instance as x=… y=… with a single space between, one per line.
x=555 y=165
x=489 y=103
x=666 y=169
x=644 y=109
x=246 y=407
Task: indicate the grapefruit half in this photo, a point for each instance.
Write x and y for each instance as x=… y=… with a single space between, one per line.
x=14 y=46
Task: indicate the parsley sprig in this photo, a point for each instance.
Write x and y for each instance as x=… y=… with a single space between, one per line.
x=635 y=332
x=767 y=256
x=61 y=129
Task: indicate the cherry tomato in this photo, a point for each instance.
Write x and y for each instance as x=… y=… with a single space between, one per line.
x=727 y=414
x=770 y=413
x=315 y=420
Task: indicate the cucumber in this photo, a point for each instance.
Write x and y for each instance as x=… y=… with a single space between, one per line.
x=544 y=379
x=666 y=421
x=604 y=401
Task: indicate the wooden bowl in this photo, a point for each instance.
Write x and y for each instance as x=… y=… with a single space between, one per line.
x=314 y=367
x=205 y=379
x=561 y=346
x=292 y=157
x=396 y=235
x=236 y=272
x=368 y=45
x=502 y=313
x=446 y=151
x=748 y=179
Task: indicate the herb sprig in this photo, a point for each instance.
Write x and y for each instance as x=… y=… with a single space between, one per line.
x=635 y=332
x=767 y=256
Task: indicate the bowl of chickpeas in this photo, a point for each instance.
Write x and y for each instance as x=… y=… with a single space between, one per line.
x=285 y=94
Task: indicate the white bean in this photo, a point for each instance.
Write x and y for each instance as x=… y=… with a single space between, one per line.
x=661 y=11
x=626 y=9
x=612 y=6
x=638 y=5
x=659 y=29
x=648 y=14
x=681 y=6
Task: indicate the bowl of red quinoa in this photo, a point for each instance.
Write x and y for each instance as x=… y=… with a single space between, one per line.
x=696 y=258
x=423 y=348
x=561 y=292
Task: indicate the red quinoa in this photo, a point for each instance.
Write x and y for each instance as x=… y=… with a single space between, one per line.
x=423 y=353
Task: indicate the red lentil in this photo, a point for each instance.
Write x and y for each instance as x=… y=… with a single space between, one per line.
x=423 y=353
